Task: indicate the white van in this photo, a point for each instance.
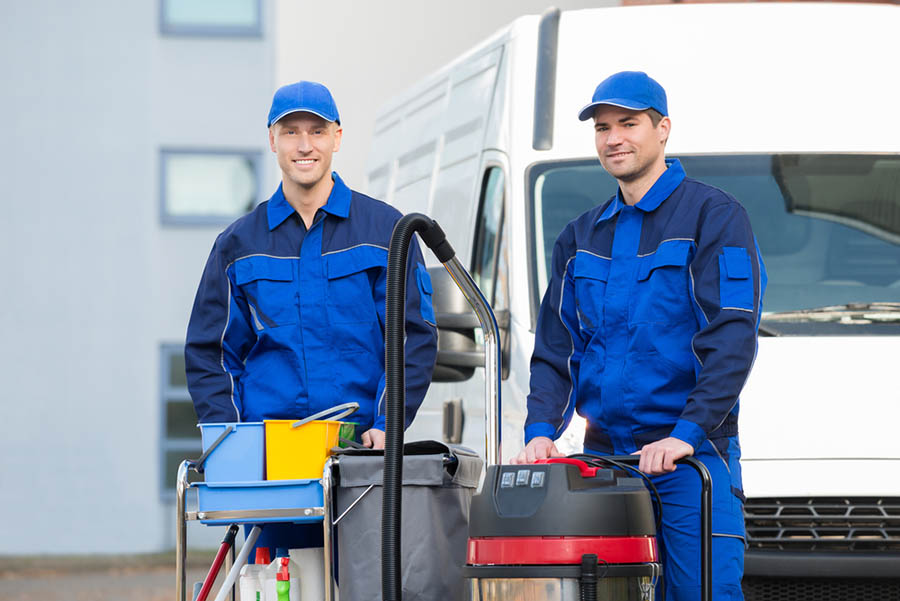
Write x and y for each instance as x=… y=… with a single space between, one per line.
x=790 y=107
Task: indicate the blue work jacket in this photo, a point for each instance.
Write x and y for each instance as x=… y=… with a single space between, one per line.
x=648 y=327
x=289 y=321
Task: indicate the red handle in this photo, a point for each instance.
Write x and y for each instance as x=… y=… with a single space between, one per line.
x=213 y=571
x=226 y=545
x=586 y=470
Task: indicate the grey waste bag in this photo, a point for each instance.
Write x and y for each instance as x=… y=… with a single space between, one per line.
x=438 y=484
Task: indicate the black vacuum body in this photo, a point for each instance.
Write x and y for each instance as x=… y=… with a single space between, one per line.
x=560 y=530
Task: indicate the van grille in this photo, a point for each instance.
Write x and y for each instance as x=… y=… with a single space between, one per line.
x=820 y=589
x=863 y=524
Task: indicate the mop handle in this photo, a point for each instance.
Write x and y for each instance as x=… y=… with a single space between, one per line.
x=239 y=562
x=227 y=542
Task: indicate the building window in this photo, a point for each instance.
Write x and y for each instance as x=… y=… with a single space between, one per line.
x=199 y=187
x=180 y=435
x=228 y=18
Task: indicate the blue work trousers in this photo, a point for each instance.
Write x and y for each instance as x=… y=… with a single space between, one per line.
x=679 y=540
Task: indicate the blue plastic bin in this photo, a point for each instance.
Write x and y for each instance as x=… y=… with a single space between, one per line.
x=273 y=494
x=238 y=458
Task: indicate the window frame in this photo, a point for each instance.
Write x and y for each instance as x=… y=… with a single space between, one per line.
x=167 y=218
x=167 y=28
x=487 y=170
x=167 y=394
x=502 y=243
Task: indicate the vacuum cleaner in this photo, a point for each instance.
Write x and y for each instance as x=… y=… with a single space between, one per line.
x=563 y=529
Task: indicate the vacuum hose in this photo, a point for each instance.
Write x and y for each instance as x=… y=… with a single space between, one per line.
x=395 y=386
x=589 y=577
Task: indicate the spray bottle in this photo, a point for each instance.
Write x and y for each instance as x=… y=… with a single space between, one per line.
x=282 y=573
x=251 y=582
x=283 y=581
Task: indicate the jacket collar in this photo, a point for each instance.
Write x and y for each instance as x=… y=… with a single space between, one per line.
x=662 y=188
x=338 y=203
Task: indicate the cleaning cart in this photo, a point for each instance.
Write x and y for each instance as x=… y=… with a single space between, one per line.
x=236 y=462
x=235 y=491
x=438 y=481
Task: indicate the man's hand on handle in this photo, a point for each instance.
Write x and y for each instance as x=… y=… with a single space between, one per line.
x=373 y=439
x=540 y=447
x=659 y=457
x=656 y=458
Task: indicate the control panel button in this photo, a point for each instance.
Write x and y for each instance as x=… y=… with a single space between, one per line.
x=537 y=480
x=522 y=477
x=507 y=479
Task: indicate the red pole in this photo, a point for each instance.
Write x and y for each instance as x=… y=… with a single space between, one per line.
x=227 y=543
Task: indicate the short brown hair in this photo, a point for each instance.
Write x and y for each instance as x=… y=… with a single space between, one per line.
x=655 y=117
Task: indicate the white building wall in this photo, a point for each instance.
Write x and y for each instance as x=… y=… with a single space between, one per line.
x=92 y=282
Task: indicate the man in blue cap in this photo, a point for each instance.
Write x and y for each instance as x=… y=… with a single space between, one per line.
x=648 y=329
x=289 y=315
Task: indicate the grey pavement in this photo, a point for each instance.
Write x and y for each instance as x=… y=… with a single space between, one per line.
x=128 y=578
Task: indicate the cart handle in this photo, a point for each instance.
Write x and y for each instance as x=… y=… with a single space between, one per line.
x=341 y=410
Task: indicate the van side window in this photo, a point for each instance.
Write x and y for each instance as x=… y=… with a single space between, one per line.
x=488 y=238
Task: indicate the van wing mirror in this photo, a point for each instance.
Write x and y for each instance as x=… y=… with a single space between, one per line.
x=458 y=352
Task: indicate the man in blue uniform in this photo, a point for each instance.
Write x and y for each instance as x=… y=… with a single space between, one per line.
x=648 y=329
x=289 y=315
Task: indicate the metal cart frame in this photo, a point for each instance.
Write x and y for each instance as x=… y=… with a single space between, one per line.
x=245 y=516
x=492 y=454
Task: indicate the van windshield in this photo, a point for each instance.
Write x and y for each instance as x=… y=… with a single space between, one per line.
x=828 y=226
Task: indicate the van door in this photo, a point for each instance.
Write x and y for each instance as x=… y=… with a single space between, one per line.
x=462 y=403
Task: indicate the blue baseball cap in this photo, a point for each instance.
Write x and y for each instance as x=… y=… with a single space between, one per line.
x=303 y=96
x=633 y=90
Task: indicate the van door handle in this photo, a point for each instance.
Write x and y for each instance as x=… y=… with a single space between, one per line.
x=454 y=419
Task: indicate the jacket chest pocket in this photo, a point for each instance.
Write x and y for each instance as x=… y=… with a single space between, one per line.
x=591 y=274
x=350 y=296
x=268 y=285
x=662 y=293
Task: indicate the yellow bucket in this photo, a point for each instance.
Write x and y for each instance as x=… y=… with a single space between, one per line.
x=297 y=450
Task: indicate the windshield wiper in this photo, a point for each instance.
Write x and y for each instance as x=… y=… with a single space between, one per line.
x=765 y=330
x=849 y=313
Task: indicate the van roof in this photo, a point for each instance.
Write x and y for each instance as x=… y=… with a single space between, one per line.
x=439 y=75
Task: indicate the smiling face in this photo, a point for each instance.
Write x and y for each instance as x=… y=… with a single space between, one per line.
x=628 y=144
x=304 y=144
